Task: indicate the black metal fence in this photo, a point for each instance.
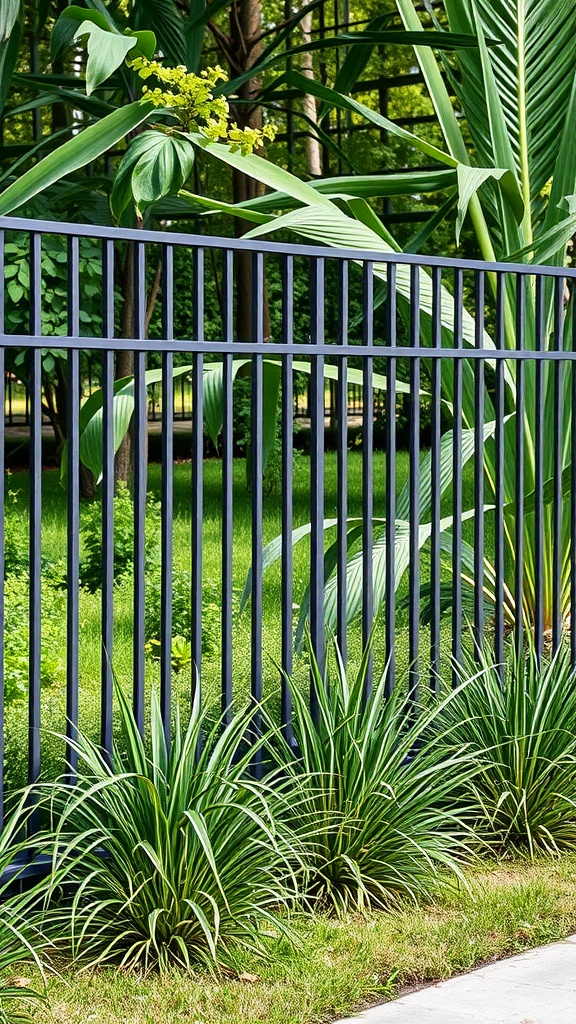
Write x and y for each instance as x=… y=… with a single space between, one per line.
x=469 y=536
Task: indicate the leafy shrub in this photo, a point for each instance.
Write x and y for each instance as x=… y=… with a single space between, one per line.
x=20 y=937
x=370 y=811
x=16 y=651
x=177 y=854
x=91 y=536
x=182 y=609
x=518 y=722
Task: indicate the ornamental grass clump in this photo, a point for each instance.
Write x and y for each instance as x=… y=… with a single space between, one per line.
x=21 y=938
x=176 y=854
x=377 y=810
x=518 y=723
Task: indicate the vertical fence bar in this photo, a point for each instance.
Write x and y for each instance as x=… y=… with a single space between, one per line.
x=167 y=499
x=390 y=617
x=2 y=500
x=35 y=607
x=539 y=477
x=287 y=383
x=457 y=483
x=558 y=442
x=107 y=499
x=499 y=478
x=479 y=299
x=520 y=452
x=73 y=508
x=317 y=476
x=414 y=483
x=342 y=464
x=367 y=468
x=140 y=481
x=573 y=489
x=227 y=486
x=435 y=489
x=197 y=468
x=256 y=429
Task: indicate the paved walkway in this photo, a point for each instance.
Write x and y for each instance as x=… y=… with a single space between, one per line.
x=538 y=987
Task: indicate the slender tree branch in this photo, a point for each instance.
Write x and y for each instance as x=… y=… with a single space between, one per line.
x=153 y=296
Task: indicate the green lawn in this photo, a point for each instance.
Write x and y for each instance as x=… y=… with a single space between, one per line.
x=54 y=550
x=340 y=966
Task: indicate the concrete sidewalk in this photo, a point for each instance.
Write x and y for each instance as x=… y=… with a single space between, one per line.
x=538 y=987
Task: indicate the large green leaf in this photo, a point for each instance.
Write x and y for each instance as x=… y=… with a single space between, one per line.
x=264 y=171
x=335 y=99
x=85 y=147
x=470 y=179
x=164 y=163
x=332 y=227
x=533 y=69
x=92 y=419
x=163 y=18
x=11 y=27
x=106 y=52
x=395 y=37
x=213 y=400
x=9 y=15
x=202 y=204
x=365 y=186
x=66 y=26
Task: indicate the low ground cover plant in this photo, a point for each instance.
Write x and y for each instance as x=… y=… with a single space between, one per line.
x=518 y=723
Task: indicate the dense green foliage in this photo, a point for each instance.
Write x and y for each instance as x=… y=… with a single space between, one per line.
x=196 y=858
x=21 y=938
x=378 y=803
x=517 y=722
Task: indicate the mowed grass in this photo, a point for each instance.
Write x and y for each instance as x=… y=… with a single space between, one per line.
x=54 y=550
x=340 y=966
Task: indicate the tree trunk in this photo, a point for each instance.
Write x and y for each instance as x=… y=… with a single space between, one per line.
x=313 y=148
x=245 y=28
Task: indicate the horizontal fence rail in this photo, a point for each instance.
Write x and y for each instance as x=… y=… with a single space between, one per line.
x=445 y=519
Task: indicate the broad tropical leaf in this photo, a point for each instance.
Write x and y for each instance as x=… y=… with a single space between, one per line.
x=79 y=151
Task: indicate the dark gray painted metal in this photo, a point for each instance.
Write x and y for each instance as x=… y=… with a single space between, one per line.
x=197 y=467
x=35 y=610
x=368 y=469
x=227 y=487
x=167 y=491
x=499 y=481
x=287 y=385
x=107 y=499
x=342 y=463
x=558 y=443
x=139 y=439
x=256 y=420
x=317 y=473
x=414 y=482
x=246 y=244
x=73 y=510
x=573 y=493
x=2 y=558
x=302 y=351
x=479 y=416
x=539 y=477
x=390 y=608
x=435 y=493
x=478 y=363
x=457 y=482
x=520 y=452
